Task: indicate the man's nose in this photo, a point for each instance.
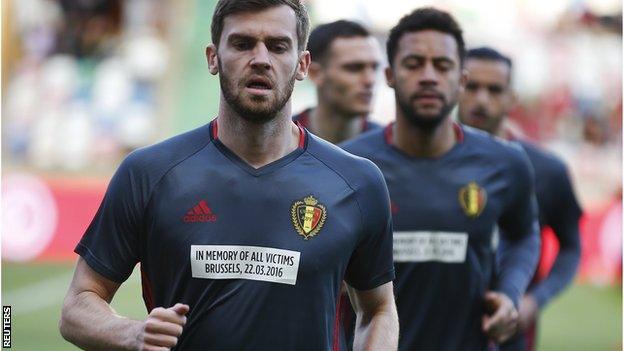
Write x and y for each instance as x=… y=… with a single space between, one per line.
x=369 y=77
x=261 y=58
x=429 y=76
x=482 y=96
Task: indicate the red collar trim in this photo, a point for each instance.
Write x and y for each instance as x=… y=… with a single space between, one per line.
x=214 y=130
x=302 y=135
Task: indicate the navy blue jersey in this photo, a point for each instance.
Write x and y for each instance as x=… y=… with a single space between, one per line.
x=303 y=118
x=258 y=254
x=558 y=210
x=446 y=214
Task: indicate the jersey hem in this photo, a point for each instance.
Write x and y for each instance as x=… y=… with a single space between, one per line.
x=377 y=281
x=98 y=266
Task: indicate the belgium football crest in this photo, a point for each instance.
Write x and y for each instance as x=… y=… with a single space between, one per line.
x=308 y=216
x=472 y=199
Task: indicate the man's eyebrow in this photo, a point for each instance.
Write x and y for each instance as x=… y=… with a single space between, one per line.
x=279 y=38
x=241 y=36
x=412 y=57
x=443 y=59
x=434 y=59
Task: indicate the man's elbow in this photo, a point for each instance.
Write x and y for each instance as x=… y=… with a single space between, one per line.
x=65 y=324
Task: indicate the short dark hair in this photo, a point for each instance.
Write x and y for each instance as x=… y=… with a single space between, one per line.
x=323 y=35
x=226 y=8
x=423 y=19
x=490 y=54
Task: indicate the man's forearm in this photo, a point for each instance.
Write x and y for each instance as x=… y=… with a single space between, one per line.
x=379 y=331
x=517 y=261
x=90 y=323
x=560 y=276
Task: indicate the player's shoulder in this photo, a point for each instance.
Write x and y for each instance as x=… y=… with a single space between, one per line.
x=544 y=160
x=499 y=149
x=164 y=154
x=355 y=170
x=365 y=144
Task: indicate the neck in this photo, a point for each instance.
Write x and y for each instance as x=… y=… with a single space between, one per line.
x=333 y=126
x=258 y=144
x=502 y=131
x=419 y=142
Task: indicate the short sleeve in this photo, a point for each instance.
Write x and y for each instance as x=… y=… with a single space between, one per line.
x=371 y=264
x=110 y=244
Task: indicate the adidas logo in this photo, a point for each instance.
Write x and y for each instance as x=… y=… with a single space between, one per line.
x=200 y=213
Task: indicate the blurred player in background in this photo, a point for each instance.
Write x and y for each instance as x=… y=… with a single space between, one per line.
x=451 y=189
x=485 y=103
x=345 y=63
x=246 y=227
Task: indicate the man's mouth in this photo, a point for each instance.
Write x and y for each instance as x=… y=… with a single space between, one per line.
x=259 y=84
x=479 y=115
x=428 y=96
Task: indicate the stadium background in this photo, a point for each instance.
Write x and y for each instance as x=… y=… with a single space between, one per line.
x=84 y=82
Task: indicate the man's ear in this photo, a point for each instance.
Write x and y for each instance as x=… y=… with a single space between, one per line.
x=463 y=79
x=389 y=73
x=303 y=65
x=212 y=58
x=513 y=100
x=316 y=73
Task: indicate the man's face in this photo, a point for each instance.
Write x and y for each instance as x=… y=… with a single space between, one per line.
x=487 y=97
x=426 y=76
x=258 y=61
x=346 y=77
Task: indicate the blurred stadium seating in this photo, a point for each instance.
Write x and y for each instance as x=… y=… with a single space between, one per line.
x=85 y=82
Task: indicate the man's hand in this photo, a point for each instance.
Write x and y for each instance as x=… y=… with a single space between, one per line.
x=161 y=329
x=502 y=319
x=527 y=312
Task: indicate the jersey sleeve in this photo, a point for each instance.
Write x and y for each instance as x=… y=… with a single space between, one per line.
x=371 y=264
x=110 y=245
x=519 y=228
x=563 y=218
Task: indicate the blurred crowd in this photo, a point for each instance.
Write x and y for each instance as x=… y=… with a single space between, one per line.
x=81 y=82
x=84 y=79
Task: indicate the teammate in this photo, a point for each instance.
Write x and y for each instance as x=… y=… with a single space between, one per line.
x=245 y=227
x=451 y=188
x=484 y=104
x=345 y=62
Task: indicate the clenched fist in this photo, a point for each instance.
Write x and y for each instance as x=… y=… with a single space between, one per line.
x=161 y=328
x=501 y=321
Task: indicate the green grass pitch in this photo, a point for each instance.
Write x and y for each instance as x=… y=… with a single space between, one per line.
x=583 y=318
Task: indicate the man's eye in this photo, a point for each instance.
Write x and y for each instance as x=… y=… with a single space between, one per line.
x=443 y=66
x=279 y=48
x=242 y=45
x=411 y=64
x=354 y=68
x=472 y=86
x=495 y=89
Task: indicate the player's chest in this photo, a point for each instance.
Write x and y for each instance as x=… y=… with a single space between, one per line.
x=278 y=223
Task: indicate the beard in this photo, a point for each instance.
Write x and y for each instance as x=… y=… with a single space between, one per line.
x=257 y=109
x=421 y=120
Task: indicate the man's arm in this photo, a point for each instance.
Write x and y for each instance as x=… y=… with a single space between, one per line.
x=518 y=252
x=89 y=322
x=562 y=214
x=377 y=323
